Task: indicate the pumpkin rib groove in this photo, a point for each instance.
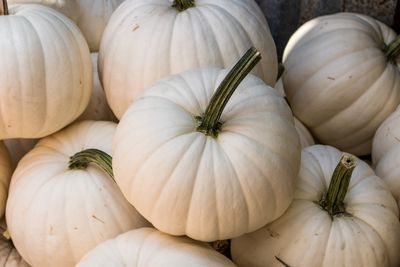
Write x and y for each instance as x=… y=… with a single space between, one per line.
x=323 y=36
x=372 y=119
x=196 y=178
x=257 y=167
x=51 y=25
x=355 y=100
x=209 y=27
x=252 y=140
x=173 y=87
x=327 y=64
x=319 y=168
x=377 y=234
x=241 y=188
x=173 y=169
x=171 y=42
x=164 y=143
x=218 y=15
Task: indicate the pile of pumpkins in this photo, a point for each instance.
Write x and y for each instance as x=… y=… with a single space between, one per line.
x=174 y=137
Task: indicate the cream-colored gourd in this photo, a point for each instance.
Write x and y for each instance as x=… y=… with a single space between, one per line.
x=386 y=152
x=357 y=227
x=97 y=108
x=341 y=79
x=9 y=256
x=93 y=18
x=5 y=176
x=58 y=211
x=45 y=72
x=279 y=87
x=149 y=247
x=147 y=40
x=67 y=7
x=17 y=148
x=192 y=173
x=306 y=138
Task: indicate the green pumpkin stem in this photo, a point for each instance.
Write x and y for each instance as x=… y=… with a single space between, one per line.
x=182 y=5
x=82 y=159
x=4 y=8
x=392 y=50
x=339 y=185
x=209 y=123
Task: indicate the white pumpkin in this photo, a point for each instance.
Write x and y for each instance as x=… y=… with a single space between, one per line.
x=17 y=148
x=149 y=247
x=363 y=230
x=54 y=85
x=339 y=81
x=9 y=256
x=93 y=18
x=97 y=108
x=279 y=87
x=207 y=181
x=67 y=7
x=386 y=152
x=305 y=136
x=5 y=176
x=146 y=40
x=55 y=213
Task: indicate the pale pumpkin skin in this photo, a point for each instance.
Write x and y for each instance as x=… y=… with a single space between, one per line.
x=146 y=40
x=9 y=256
x=67 y=7
x=54 y=85
x=187 y=183
x=335 y=68
x=97 y=108
x=386 y=152
x=17 y=148
x=93 y=18
x=5 y=176
x=307 y=235
x=149 y=247
x=56 y=215
x=305 y=136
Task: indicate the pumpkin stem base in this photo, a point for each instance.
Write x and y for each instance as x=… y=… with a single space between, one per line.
x=209 y=123
x=182 y=5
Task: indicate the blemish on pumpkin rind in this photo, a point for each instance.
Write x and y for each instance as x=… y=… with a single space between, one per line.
x=94 y=217
x=135 y=27
x=273 y=234
x=330 y=78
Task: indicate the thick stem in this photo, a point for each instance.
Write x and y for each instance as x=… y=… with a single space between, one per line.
x=3 y=8
x=209 y=123
x=333 y=201
x=82 y=159
x=392 y=50
x=182 y=5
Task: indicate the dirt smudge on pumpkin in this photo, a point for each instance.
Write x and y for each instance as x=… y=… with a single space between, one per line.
x=137 y=26
x=281 y=261
x=51 y=232
x=330 y=78
x=273 y=234
x=96 y=218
